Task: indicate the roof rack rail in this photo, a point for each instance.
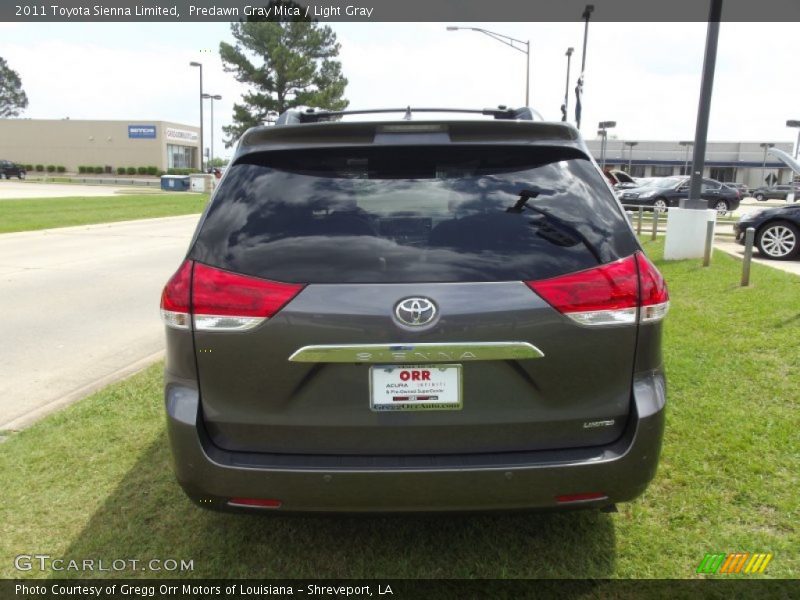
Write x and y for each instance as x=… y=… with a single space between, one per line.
x=313 y=115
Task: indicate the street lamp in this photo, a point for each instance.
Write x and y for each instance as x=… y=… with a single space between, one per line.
x=766 y=146
x=793 y=123
x=630 y=154
x=212 y=98
x=587 y=13
x=604 y=125
x=687 y=145
x=508 y=41
x=197 y=64
x=565 y=108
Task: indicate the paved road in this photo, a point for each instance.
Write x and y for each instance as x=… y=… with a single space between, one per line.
x=13 y=188
x=80 y=306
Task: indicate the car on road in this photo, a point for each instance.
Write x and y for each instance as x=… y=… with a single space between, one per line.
x=402 y=316
x=9 y=169
x=777 y=192
x=777 y=231
x=743 y=190
x=664 y=192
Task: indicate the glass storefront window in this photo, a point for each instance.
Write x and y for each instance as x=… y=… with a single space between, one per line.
x=180 y=157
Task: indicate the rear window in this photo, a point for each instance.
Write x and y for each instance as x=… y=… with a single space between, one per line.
x=412 y=214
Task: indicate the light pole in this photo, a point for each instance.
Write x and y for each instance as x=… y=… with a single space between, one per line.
x=687 y=145
x=565 y=108
x=197 y=64
x=630 y=145
x=604 y=125
x=212 y=98
x=587 y=13
x=508 y=41
x=793 y=123
x=766 y=146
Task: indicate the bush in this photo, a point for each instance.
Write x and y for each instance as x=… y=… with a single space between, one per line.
x=39 y=168
x=29 y=167
x=121 y=170
x=61 y=169
x=99 y=170
x=51 y=168
x=142 y=170
x=131 y=170
x=152 y=170
x=81 y=169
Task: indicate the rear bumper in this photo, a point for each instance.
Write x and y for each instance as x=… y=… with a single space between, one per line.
x=508 y=481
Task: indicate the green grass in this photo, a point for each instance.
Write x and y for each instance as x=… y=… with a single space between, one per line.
x=45 y=213
x=94 y=480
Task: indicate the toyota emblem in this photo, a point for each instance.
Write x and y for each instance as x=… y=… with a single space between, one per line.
x=415 y=311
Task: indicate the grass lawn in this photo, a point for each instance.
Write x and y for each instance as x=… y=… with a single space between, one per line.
x=94 y=480
x=43 y=213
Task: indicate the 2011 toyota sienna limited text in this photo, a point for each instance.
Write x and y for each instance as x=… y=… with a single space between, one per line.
x=414 y=316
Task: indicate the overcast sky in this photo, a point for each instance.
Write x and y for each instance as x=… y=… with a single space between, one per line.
x=645 y=76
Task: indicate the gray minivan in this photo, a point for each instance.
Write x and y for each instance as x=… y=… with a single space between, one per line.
x=414 y=316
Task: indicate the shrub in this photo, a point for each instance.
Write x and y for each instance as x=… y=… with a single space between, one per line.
x=98 y=170
x=152 y=170
x=81 y=169
x=131 y=170
x=29 y=167
x=51 y=168
x=39 y=168
x=61 y=169
x=142 y=170
x=121 y=170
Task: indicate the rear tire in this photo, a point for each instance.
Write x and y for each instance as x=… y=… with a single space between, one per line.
x=659 y=205
x=21 y=175
x=760 y=197
x=721 y=207
x=2 y=176
x=779 y=240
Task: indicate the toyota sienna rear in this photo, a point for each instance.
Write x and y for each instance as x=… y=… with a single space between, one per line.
x=414 y=316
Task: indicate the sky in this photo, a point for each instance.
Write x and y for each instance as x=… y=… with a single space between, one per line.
x=644 y=76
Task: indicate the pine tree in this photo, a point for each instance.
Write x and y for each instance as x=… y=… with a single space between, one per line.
x=294 y=66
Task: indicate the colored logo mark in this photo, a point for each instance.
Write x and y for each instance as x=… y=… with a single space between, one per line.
x=736 y=562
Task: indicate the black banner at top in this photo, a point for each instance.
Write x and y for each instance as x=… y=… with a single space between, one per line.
x=395 y=10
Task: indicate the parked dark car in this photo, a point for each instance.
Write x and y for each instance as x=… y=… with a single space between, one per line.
x=743 y=190
x=777 y=192
x=9 y=169
x=661 y=193
x=777 y=231
x=414 y=316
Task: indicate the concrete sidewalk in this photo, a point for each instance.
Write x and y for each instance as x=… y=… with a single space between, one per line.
x=737 y=250
x=80 y=307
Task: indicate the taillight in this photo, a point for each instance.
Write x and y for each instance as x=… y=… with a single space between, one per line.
x=176 y=298
x=225 y=301
x=653 y=291
x=610 y=294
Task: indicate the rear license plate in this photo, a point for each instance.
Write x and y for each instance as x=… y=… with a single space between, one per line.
x=415 y=387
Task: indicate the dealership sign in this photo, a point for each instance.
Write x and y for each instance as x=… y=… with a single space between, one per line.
x=142 y=131
x=180 y=134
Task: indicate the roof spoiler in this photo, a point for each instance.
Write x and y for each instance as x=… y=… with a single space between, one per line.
x=313 y=115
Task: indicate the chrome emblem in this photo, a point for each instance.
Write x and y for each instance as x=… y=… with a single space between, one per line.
x=415 y=311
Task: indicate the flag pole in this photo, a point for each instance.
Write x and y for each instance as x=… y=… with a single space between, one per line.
x=587 y=13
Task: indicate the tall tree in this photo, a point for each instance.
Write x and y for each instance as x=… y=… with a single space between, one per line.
x=12 y=97
x=294 y=65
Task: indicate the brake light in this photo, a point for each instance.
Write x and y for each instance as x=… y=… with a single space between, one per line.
x=176 y=298
x=220 y=300
x=653 y=291
x=587 y=497
x=610 y=294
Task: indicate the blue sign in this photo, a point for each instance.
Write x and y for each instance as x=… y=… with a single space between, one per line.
x=142 y=131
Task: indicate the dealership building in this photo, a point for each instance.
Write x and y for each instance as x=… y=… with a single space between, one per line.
x=740 y=162
x=73 y=143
